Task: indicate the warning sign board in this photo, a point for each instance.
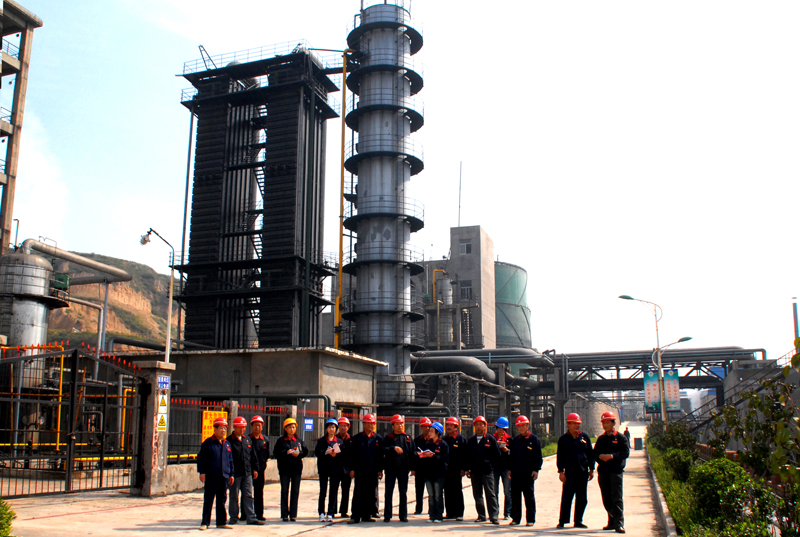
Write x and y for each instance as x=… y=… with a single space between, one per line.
x=162 y=404
x=208 y=421
x=161 y=425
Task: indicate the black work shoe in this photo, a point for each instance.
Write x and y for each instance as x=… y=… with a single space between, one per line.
x=368 y=520
x=495 y=521
x=619 y=529
x=387 y=519
x=255 y=522
x=608 y=527
x=580 y=525
x=480 y=519
x=233 y=521
x=353 y=521
x=560 y=526
x=403 y=520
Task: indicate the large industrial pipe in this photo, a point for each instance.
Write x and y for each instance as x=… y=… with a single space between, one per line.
x=496 y=356
x=443 y=364
x=112 y=274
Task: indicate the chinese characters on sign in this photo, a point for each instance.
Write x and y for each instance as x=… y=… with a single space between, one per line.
x=208 y=421
x=652 y=396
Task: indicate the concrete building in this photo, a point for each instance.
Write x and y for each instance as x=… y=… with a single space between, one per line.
x=348 y=380
x=17 y=25
x=471 y=300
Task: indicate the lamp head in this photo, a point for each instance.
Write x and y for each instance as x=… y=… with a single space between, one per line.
x=145 y=238
x=626 y=297
x=681 y=340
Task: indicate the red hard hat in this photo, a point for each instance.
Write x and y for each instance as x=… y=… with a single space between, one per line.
x=240 y=422
x=608 y=416
x=369 y=418
x=574 y=418
x=425 y=422
x=221 y=421
x=522 y=420
x=344 y=420
x=397 y=418
x=479 y=418
x=257 y=419
x=452 y=420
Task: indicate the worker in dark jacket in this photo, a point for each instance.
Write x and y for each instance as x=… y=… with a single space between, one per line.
x=344 y=426
x=575 y=463
x=330 y=468
x=365 y=460
x=245 y=463
x=456 y=469
x=215 y=466
x=399 y=457
x=261 y=449
x=611 y=451
x=419 y=478
x=433 y=460
x=501 y=474
x=526 y=461
x=482 y=460
x=289 y=451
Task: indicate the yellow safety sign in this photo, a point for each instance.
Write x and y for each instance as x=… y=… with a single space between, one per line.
x=162 y=404
x=208 y=421
x=161 y=426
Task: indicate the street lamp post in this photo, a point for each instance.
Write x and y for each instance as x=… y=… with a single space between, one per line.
x=144 y=240
x=657 y=314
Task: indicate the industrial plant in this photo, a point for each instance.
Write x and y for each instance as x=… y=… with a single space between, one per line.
x=392 y=333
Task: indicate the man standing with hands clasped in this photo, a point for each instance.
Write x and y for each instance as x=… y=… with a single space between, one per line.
x=483 y=460
x=526 y=461
x=610 y=451
x=245 y=463
x=399 y=457
x=575 y=463
x=365 y=460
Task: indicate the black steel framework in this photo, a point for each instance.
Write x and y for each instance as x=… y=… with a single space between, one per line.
x=69 y=422
x=255 y=271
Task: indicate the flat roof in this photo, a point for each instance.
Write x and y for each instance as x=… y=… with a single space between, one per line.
x=297 y=350
x=16 y=17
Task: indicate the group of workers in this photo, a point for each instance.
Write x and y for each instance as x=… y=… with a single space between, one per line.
x=438 y=459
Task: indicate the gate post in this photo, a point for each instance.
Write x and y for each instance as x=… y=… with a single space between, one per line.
x=155 y=446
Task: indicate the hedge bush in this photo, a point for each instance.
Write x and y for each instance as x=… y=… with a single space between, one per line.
x=680 y=462
x=6 y=517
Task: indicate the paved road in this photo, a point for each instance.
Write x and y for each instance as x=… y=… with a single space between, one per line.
x=113 y=513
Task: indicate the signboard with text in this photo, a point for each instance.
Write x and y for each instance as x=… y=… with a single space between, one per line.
x=652 y=399
x=208 y=421
x=672 y=391
x=652 y=395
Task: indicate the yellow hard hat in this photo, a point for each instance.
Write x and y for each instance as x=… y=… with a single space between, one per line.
x=289 y=421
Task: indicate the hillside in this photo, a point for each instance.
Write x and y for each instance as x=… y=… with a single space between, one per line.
x=137 y=308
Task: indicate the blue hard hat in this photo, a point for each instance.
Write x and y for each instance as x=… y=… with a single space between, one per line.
x=332 y=422
x=439 y=427
x=502 y=422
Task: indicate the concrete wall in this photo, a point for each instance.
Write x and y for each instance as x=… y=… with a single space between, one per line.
x=590 y=412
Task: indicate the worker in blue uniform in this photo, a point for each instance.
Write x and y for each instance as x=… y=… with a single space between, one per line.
x=433 y=460
x=330 y=468
x=215 y=466
x=344 y=426
x=245 y=464
x=611 y=451
x=261 y=449
x=419 y=478
x=456 y=469
x=482 y=460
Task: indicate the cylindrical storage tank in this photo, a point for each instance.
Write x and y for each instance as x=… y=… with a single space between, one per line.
x=512 y=315
x=24 y=293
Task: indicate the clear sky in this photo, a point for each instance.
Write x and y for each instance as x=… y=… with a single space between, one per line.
x=641 y=148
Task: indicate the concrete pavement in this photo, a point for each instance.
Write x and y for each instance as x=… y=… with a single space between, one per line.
x=112 y=513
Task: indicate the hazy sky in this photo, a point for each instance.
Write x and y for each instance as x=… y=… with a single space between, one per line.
x=638 y=148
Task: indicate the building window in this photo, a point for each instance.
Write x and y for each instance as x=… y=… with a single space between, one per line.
x=466 y=289
x=464 y=246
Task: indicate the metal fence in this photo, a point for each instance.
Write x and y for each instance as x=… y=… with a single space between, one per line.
x=69 y=421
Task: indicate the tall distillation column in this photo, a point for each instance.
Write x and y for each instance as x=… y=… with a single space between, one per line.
x=384 y=113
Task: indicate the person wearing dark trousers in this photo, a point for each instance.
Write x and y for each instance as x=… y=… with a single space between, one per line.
x=482 y=460
x=261 y=449
x=456 y=469
x=433 y=460
x=330 y=454
x=575 y=464
x=289 y=452
x=365 y=460
x=344 y=426
x=399 y=455
x=501 y=474
x=611 y=451
x=419 y=478
x=245 y=463
x=215 y=466
x=525 y=463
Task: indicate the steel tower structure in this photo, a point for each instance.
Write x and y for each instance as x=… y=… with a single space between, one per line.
x=381 y=306
x=255 y=269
